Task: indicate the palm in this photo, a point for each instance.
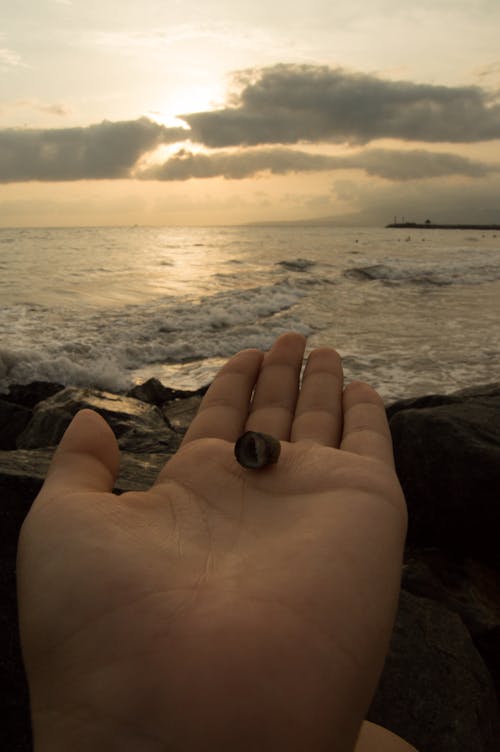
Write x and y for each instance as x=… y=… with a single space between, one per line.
x=216 y=560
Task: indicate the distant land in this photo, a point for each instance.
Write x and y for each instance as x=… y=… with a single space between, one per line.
x=432 y=226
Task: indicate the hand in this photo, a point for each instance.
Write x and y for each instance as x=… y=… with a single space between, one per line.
x=225 y=608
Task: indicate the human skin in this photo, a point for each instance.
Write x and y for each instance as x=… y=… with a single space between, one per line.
x=224 y=608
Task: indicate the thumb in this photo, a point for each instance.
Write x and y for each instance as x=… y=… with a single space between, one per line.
x=87 y=458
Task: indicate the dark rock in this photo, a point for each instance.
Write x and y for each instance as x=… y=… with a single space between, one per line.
x=153 y=392
x=417 y=403
x=481 y=390
x=21 y=477
x=467 y=587
x=181 y=412
x=435 y=400
x=31 y=394
x=13 y=419
x=435 y=690
x=448 y=461
x=23 y=471
x=137 y=426
x=15 y=729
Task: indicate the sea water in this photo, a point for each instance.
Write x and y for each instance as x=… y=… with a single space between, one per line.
x=410 y=311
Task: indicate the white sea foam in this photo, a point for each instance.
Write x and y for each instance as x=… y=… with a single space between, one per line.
x=109 y=349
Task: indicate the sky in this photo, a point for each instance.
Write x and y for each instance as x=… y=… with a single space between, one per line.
x=181 y=112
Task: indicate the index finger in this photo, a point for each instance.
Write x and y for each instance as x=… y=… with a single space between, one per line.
x=366 y=429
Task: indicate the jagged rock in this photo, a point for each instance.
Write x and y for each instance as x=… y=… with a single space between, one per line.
x=13 y=419
x=22 y=473
x=181 y=412
x=469 y=588
x=490 y=391
x=137 y=426
x=448 y=461
x=435 y=690
x=153 y=392
x=139 y=471
x=31 y=394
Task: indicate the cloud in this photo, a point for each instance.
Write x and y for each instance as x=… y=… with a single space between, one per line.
x=105 y=150
x=278 y=105
x=288 y=104
x=385 y=163
x=417 y=164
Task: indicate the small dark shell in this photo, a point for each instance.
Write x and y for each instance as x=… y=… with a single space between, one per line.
x=254 y=450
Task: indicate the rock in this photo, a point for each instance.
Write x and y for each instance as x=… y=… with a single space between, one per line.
x=181 y=412
x=153 y=392
x=137 y=426
x=435 y=690
x=31 y=394
x=13 y=419
x=467 y=587
x=23 y=471
x=448 y=461
x=139 y=471
x=435 y=400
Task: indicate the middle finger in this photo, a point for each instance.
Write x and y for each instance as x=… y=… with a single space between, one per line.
x=273 y=405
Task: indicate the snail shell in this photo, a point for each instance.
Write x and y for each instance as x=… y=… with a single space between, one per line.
x=254 y=450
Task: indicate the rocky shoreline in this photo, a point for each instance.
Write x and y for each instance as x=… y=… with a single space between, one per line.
x=441 y=681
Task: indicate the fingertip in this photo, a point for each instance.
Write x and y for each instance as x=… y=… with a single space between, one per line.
x=87 y=431
x=324 y=358
x=360 y=391
x=87 y=456
x=292 y=338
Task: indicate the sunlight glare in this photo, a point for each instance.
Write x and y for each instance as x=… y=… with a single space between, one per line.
x=186 y=100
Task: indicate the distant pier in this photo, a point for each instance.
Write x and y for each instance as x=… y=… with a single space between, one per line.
x=431 y=226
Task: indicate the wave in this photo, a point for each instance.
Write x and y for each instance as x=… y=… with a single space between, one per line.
x=108 y=350
x=297 y=265
x=437 y=275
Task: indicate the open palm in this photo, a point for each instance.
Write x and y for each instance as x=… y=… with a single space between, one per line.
x=224 y=608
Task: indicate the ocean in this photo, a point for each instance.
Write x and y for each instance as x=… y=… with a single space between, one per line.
x=410 y=311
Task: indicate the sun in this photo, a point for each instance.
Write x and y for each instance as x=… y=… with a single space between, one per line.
x=186 y=100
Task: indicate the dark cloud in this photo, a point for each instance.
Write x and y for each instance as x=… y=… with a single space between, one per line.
x=244 y=163
x=416 y=164
x=235 y=165
x=106 y=150
x=287 y=104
